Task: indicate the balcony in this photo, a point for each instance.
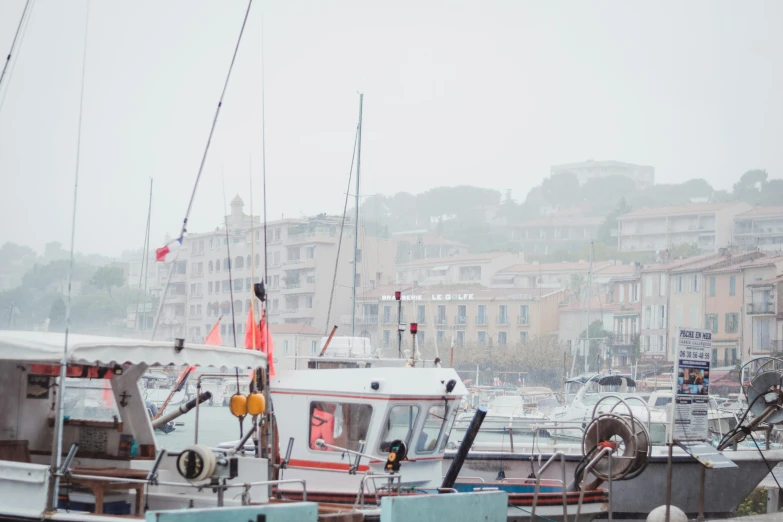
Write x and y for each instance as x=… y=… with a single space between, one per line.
x=523 y=321
x=502 y=321
x=371 y=320
x=761 y=308
x=440 y=321
x=624 y=340
x=481 y=320
x=461 y=319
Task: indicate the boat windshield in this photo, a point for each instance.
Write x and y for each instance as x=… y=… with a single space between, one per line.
x=90 y=399
x=399 y=425
x=433 y=426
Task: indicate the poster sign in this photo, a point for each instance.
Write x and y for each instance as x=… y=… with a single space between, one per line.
x=692 y=385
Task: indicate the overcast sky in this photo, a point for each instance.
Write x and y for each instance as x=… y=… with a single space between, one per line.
x=482 y=93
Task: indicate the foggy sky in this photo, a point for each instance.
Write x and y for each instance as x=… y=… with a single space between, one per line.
x=483 y=93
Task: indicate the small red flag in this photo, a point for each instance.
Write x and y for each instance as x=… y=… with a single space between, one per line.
x=252 y=332
x=267 y=345
x=213 y=338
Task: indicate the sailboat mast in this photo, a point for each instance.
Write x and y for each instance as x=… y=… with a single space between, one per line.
x=144 y=260
x=589 y=298
x=13 y=42
x=356 y=217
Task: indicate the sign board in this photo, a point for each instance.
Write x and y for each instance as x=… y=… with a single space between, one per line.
x=690 y=408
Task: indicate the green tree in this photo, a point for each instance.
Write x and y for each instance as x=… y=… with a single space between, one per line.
x=597 y=341
x=57 y=316
x=12 y=255
x=750 y=186
x=562 y=190
x=107 y=277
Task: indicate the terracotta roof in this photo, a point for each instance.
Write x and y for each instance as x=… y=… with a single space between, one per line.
x=576 y=266
x=691 y=208
x=597 y=302
x=618 y=271
x=761 y=212
x=769 y=281
x=761 y=261
x=288 y=328
x=461 y=258
x=661 y=267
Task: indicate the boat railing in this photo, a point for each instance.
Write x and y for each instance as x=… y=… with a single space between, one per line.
x=557 y=454
x=197 y=485
x=590 y=465
x=372 y=477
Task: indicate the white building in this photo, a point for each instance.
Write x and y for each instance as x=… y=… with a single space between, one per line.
x=760 y=228
x=474 y=269
x=643 y=176
x=707 y=225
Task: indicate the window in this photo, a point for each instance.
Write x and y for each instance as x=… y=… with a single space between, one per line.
x=646 y=316
x=313 y=347
x=386 y=319
x=210 y=267
x=209 y=287
x=310 y=253
x=386 y=338
x=421 y=314
x=524 y=314
x=440 y=337
x=481 y=317
x=358 y=280
x=285 y=347
x=462 y=314
x=522 y=337
x=309 y=301
x=238 y=284
x=621 y=294
x=247 y=284
x=680 y=284
x=695 y=283
x=661 y=316
x=636 y=290
x=217 y=265
x=502 y=314
x=441 y=318
x=430 y=433
x=461 y=338
x=502 y=338
x=648 y=285
x=399 y=425
x=343 y=425
x=711 y=322
x=712 y=286
x=662 y=285
x=481 y=338
x=732 y=320
x=733 y=285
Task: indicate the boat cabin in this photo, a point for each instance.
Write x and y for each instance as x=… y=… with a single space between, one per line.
x=364 y=411
x=105 y=422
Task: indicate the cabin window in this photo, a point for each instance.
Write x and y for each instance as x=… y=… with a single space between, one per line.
x=399 y=425
x=89 y=399
x=433 y=425
x=339 y=424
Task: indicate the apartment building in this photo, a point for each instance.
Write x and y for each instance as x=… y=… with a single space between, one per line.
x=643 y=176
x=761 y=311
x=470 y=269
x=306 y=282
x=760 y=228
x=626 y=299
x=723 y=312
x=707 y=225
x=687 y=296
x=560 y=231
x=466 y=314
x=575 y=317
x=416 y=245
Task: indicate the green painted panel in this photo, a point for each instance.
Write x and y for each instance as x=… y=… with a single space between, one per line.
x=485 y=506
x=295 y=512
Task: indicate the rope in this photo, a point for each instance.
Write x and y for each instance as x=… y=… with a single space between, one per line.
x=228 y=251
x=200 y=170
x=342 y=228
x=23 y=26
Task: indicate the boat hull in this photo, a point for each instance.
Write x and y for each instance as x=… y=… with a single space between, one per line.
x=634 y=499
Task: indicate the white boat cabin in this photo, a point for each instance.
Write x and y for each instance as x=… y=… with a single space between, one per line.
x=364 y=411
x=105 y=415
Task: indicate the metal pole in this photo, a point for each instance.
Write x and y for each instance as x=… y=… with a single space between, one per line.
x=356 y=216
x=669 y=480
x=701 y=492
x=399 y=330
x=589 y=298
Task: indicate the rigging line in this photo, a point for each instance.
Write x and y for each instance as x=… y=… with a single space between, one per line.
x=144 y=256
x=252 y=247
x=228 y=252
x=58 y=433
x=200 y=170
x=342 y=229
x=263 y=178
x=13 y=66
x=13 y=42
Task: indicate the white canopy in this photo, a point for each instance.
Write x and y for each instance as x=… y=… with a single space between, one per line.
x=46 y=347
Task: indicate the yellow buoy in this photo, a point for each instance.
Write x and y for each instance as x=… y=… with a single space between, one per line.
x=256 y=403
x=238 y=405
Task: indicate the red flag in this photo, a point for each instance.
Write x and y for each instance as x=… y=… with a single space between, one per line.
x=213 y=338
x=252 y=332
x=267 y=345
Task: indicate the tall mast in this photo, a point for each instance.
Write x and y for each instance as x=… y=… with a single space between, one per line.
x=589 y=298
x=356 y=218
x=13 y=42
x=144 y=260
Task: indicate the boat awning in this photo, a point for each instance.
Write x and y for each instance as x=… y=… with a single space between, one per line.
x=47 y=347
x=603 y=380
